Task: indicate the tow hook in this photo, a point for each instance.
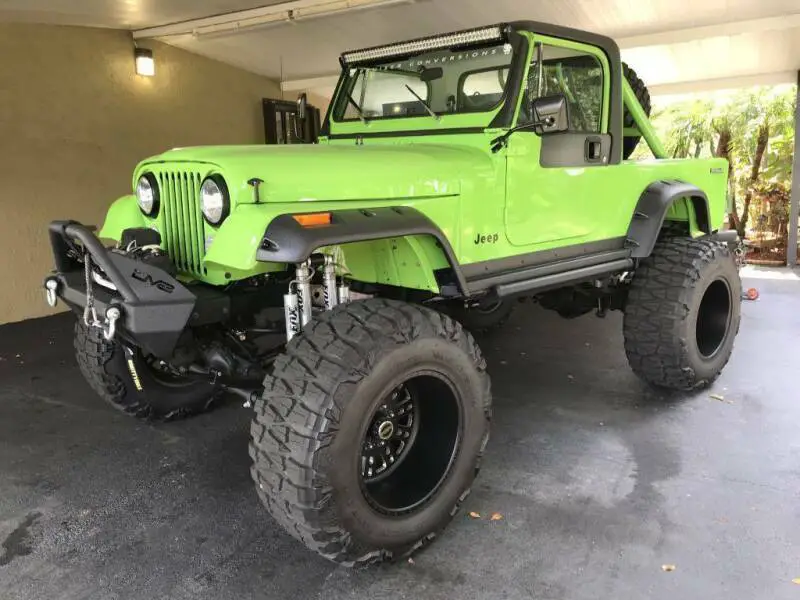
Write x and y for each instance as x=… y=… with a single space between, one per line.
x=51 y=287
x=110 y=326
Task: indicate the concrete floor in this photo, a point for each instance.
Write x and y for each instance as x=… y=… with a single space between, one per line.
x=600 y=481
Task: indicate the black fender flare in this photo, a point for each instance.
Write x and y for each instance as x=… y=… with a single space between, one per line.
x=651 y=210
x=286 y=241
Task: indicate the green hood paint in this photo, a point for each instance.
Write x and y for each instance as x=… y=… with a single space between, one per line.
x=488 y=205
x=337 y=172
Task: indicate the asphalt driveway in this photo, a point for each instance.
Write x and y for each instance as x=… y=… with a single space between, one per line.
x=600 y=481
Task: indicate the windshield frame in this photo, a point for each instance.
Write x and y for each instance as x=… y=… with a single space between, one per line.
x=501 y=115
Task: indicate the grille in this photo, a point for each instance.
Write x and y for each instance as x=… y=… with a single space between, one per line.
x=182 y=227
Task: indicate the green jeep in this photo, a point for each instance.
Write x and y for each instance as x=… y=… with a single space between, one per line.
x=332 y=287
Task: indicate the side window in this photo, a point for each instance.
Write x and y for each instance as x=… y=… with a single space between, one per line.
x=482 y=90
x=575 y=74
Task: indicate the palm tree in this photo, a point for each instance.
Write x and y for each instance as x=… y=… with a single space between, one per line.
x=752 y=130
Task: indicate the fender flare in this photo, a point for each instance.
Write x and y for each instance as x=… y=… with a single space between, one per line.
x=286 y=241
x=651 y=211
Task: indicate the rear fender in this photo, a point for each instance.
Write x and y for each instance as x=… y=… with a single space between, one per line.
x=675 y=200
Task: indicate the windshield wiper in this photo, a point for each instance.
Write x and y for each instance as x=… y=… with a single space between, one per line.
x=425 y=104
x=358 y=108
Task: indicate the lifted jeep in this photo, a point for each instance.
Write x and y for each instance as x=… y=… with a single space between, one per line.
x=327 y=284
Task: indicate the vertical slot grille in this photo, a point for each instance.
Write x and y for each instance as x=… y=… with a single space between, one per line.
x=182 y=235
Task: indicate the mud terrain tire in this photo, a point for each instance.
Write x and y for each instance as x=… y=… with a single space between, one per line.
x=312 y=429
x=105 y=367
x=682 y=313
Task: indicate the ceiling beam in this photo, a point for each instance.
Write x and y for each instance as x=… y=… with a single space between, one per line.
x=691 y=34
x=723 y=83
x=232 y=22
x=300 y=85
x=667 y=37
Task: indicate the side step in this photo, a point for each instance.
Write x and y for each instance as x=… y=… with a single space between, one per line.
x=557 y=280
x=553 y=274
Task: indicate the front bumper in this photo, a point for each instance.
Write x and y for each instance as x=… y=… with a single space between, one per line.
x=154 y=307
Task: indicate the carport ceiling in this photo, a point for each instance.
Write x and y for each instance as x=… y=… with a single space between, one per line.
x=677 y=45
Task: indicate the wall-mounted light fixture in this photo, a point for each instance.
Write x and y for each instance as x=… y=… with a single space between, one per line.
x=145 y=65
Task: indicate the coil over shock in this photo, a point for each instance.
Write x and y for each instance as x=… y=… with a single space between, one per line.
x=297 y=302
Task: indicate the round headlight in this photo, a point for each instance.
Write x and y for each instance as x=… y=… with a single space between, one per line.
x=214 y=199
x=147 y=194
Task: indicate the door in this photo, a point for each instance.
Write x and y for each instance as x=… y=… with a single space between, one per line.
x=550 y=195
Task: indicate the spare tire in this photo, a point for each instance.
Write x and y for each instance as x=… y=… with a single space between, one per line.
x=643 y=96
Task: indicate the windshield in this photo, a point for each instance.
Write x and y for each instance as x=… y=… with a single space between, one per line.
x=430 y=84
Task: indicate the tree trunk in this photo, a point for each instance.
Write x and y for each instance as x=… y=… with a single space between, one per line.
x=761 y=148
x=723 y=150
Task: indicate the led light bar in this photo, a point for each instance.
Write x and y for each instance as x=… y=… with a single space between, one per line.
x=470 y=37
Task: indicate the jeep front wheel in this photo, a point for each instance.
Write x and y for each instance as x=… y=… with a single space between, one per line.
x=682 y=313
x=138 y=385
x=371 y=430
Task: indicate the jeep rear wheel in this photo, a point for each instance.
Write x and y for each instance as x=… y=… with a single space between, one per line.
x=682 y=313
x=143 y=387
x=371 y=430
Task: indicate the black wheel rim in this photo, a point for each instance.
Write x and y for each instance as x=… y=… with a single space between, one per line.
x=713 y=318
x=392 y=431
x=410 y=444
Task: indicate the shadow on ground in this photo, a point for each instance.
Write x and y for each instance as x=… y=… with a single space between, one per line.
x=600 y=481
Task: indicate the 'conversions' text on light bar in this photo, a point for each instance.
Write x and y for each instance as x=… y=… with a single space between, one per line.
x=470 y=37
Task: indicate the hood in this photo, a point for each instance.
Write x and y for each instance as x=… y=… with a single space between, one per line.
x=339 y=172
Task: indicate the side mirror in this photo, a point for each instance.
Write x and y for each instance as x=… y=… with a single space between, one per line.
x=302 y=103
x=551 y=114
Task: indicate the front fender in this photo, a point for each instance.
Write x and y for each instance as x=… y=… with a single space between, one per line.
x=123 y=214
x=402 y=245
x=235 y=243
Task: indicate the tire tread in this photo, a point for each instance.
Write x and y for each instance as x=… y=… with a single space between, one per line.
x=298 y=415
x=658 y=304
x=94 y=355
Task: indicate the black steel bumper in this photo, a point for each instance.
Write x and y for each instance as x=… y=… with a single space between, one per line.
x=154 y=306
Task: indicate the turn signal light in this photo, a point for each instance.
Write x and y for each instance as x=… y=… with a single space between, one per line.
x=313 y=219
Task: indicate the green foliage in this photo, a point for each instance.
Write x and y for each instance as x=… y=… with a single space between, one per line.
x=757 y=122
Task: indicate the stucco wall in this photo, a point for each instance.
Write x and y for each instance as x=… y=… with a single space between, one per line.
x=74 y=121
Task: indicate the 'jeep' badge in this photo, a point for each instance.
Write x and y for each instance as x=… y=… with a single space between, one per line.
x=489 y=238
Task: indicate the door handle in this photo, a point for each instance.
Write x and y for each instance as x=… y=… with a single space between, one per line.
x=593 y=149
